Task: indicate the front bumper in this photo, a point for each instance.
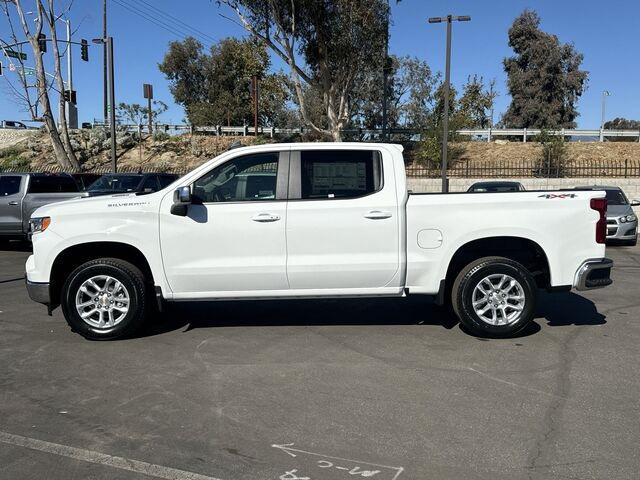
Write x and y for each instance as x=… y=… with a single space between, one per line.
x=39 y=292
x=594 y=273
x=621 y=231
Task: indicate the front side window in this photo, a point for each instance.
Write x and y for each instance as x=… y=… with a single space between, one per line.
x=339 y=173
x=243 y=179
x=9 y=185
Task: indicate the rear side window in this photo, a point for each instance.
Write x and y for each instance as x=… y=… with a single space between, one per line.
x=52 y=184
x=339 y=173
x=9 y=185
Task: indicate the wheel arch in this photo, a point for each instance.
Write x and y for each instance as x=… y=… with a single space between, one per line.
x=72 y=257
x=522 y=250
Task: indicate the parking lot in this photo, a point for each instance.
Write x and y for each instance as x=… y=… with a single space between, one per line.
x=324 y=390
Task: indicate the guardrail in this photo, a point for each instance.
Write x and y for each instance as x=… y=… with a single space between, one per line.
x=488 y=134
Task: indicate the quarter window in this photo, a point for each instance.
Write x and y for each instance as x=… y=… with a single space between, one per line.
x=339 y=173
x=243 y=179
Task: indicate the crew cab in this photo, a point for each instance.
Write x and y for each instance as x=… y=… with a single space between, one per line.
x=308 y=220
x=22 y=193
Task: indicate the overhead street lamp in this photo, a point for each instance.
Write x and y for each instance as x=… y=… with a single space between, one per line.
x=447 y=80
x=605 y=94
x=108 y=41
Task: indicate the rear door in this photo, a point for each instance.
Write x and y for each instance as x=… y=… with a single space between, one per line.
x=11 y=187
x=342 y=220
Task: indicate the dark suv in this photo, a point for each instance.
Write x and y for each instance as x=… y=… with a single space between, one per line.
x=112 y=183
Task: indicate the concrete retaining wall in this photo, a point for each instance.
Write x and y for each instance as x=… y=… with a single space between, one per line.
x=631 y=186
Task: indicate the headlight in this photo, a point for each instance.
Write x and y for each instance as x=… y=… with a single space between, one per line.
x=622 y=219
x=39 y=224
x=631 y=218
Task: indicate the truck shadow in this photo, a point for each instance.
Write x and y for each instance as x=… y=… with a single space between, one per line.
x=372 y=311
x=557 y=309
x=15 y=246
x=562 y=309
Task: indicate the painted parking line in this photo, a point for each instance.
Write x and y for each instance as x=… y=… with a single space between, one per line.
x=91 y=456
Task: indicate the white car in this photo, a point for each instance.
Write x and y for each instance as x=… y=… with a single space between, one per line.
x=314 y=220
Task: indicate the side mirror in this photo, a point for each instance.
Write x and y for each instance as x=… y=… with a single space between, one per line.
x=181 y=201
x=635 y=202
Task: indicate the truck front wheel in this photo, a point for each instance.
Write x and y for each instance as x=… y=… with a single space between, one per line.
x=104 y=299
x=494 y=296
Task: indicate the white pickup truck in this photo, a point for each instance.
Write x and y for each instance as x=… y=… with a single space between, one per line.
x=309 y=220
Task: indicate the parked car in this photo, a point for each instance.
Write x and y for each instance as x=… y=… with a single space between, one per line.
x=22 y=193
x=337 y=221
x=84 y=180
x=113 y=183
x=14 y=124
x=622 y=222
x=496 y=186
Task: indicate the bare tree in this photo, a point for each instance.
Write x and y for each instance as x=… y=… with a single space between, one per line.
x=337 y=41
x=60 y=143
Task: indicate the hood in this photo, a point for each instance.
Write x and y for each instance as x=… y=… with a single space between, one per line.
x=618 y=210
x=85 y=204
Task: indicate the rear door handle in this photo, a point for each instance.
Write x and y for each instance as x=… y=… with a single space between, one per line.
x=265 y=217
x=377 y=215
x=13 y=203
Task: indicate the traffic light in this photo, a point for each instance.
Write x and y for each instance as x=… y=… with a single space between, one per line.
x=42 y=42
x=84 y=50
x=73 y=97
x=66 y=95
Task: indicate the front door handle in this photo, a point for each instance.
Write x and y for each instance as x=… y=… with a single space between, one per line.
x=377 y=215
x=13 y=203
x=265 y=217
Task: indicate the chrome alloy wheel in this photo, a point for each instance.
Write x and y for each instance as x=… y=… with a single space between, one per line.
x=102 y=301
x=498 y=299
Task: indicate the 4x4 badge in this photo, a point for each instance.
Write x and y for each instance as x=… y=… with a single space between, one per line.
x=558 y=195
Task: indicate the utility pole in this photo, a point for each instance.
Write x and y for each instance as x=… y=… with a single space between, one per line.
x=72 y=109
x=447 y=80
x=108 y=41
x=147 y=91
x=104 y=60
x=112 y=104
x=255 y=91
x=605 y=94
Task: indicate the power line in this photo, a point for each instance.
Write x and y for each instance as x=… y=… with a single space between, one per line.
x=176 y=19
x=178 y=32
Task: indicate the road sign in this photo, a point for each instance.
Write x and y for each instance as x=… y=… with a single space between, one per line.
x=13 y=54
x=147 y=90
x=28 y=71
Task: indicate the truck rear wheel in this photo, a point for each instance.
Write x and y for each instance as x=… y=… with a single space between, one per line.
x=494 y=296
x=104 y=299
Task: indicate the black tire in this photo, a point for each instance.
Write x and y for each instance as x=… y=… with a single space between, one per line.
x=126 y=273
x=632 y=243
x=466 y=282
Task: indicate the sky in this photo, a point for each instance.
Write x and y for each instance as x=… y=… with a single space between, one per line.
x=606 y=33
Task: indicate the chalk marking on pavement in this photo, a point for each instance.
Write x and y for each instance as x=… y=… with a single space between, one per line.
x=91 y=456
x=496 y=379
x=286 y=448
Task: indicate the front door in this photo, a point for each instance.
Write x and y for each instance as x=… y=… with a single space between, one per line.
x=342 y=221
x=232 y=241
x=10 y=204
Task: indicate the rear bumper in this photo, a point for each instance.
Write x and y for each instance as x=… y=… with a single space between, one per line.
x=39 y=292
x=594 y=273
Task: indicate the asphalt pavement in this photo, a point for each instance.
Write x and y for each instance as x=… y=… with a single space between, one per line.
x=388 y=389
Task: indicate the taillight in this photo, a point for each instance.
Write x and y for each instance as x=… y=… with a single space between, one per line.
x=600 y=205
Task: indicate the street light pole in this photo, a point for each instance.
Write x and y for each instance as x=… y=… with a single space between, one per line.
x=447 y=80
x=605 y=94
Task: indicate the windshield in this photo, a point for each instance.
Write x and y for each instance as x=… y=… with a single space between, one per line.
x=116 y=183
x=616 y=197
